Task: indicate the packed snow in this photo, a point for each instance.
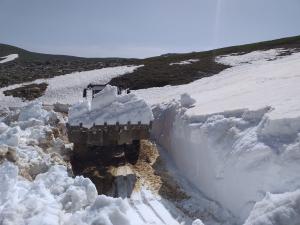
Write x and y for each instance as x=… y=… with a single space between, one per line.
x=241 y=136
x=8 y=58
x=185 y=62
x=68 y=88
x=107 y=106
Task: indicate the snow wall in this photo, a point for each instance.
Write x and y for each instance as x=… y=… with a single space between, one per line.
x=233 y=157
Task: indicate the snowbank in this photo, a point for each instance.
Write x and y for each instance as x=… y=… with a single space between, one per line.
x=24 y=132
x=55 y=198
x=8 y=58
x=38 y=188
x=231 y=154
x=109 y=107
x=241 y=138
x=67 y=89
x=279 y=209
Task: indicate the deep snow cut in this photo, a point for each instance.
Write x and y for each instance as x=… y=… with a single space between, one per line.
x=241 y=137
x=109 y=107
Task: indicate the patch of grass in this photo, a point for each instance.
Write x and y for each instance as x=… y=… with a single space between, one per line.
x=28 y=92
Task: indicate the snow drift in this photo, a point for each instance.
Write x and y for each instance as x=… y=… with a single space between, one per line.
x=107 y=106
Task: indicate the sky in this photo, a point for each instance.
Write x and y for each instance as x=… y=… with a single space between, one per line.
x=143 y=28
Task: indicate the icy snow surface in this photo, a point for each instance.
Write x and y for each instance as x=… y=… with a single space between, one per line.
x=8 y=58
x=241 y=138
x=107 y=106
x=68 y=88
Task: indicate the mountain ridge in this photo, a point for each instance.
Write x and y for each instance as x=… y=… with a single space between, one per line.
x=157 y=71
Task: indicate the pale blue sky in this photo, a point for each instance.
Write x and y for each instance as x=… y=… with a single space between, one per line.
x=140 y=28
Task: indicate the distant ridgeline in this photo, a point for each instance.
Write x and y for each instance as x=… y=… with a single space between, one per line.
x=30 y=66
x=168 y=69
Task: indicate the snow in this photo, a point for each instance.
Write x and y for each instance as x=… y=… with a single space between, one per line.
x=185 y=62
x=37 y=188
x=22 y=133
x=67 y=89
x=55 y=198
x=240 y=87
x=109 y=107
x=236 y=59
x=186 y=100
x=241 y=137
x=279 y=209
x=8 y=58
x=235 y=136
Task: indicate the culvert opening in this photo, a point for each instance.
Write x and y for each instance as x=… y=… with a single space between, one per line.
x=108 y=167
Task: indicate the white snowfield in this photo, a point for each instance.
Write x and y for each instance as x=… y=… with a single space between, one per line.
x=252 y=57
x=236 y=135
x=68 y=88
x=8 y=58
x=109 y=107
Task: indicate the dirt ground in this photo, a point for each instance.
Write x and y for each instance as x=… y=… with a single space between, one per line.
x=153 y=174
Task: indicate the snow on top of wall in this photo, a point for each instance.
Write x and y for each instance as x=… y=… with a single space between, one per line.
x=236 y=59
x=107 y=106
x=8 y=58
x=68 y=88
x=185 y=62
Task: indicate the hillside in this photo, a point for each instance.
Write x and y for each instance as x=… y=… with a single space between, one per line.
x=30 y=66
x=160 y=71
x=169 y=69
x=232 y=134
